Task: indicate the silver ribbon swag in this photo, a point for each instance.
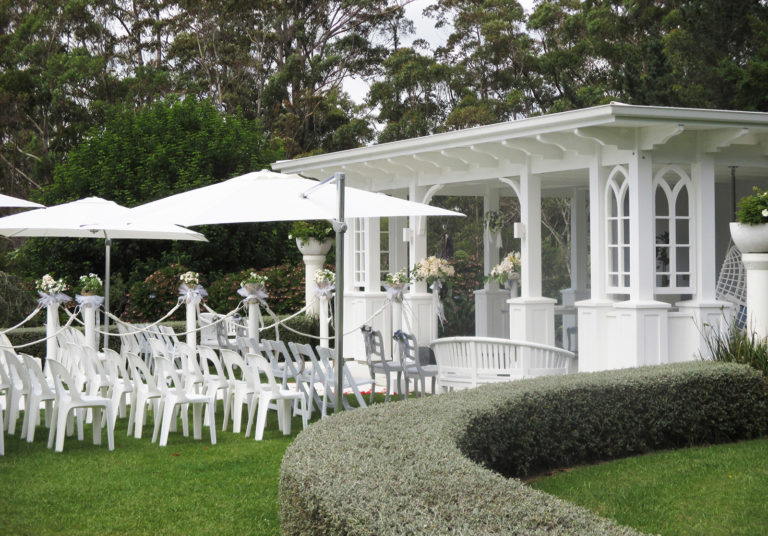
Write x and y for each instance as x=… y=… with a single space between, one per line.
x=52 y=299
x=437 y=305
x=254 y=293
x=326 y=289
x=89 y=301
x=395 y=292
x=192 y=295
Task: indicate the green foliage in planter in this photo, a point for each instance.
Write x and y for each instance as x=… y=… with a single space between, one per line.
x=285 y=289
x=417 y=467
x=304 y=230
x=753 y=209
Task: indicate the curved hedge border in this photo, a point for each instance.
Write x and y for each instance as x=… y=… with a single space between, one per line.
x=407 y=467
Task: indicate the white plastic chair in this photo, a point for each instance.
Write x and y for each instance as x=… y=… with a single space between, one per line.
x=242 y=390
x=19 y=387
x=69 y=399
x=145 y=390
x=176 y=394
x=121 y=384
x=317 y=375
x=40 y=391
x=349 y=381
x=270 y=391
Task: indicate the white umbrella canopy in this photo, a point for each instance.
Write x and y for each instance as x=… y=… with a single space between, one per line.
x=269 y=196
x=8 y=201
x=92 y=217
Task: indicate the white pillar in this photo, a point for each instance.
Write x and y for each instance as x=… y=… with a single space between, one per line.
x=756 y=265
x=323 y=319
x=578 y=290
x=417 y=303
x=51 y=327
x=531 y=316
x=192 y=325
x=89 y=321
x=312 y=263
x=253 y=322
x=491 y=309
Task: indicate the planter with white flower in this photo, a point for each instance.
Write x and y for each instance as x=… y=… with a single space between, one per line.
x=314 y=240
x=750 y=234
x=507 y=272
x=90 y=299
x=191 y=292
x=254 y=289
x=434 y=271
x=51 y=292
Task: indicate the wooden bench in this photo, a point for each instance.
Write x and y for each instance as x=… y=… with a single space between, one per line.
x=464 y=362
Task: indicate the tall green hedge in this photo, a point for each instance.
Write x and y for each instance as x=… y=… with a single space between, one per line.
x=424 y=467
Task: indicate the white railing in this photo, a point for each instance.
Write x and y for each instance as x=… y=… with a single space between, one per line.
x=464 y=362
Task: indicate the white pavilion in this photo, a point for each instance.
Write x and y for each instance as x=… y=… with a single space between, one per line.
x=644 y=183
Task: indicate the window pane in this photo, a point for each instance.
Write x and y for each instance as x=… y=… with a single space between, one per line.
x=626 y=258
x=682 y=236
x=626 y=280
x=662 y=231
x=613 y=228
x=662 y=280
x=684 y=280
x=681 y=203
x=614 y=280
x=662 y=204
x=683 y=261
x=662 y=259
x=625 y=202
x=625 y=224
x=614 y=259
x=613 y=210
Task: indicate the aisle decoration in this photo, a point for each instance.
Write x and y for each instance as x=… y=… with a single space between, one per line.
x=89 y=300
x=396 y=284
x=434 y=271
x=507 y=271
x=326 y=285
x=254 y=288
x=190 y=290
x=51 y=290
x=494 y=222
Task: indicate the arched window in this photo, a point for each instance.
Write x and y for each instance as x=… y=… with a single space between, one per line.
x=673 y=220
x=617 y=230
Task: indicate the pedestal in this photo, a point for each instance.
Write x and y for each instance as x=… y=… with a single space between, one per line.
x=51 y=327
x=492 y=313
x=89 y=319
x=642 y=333
x=594 y=351
x=253 y=323
x=756 y=265
x=191 y=325
x=324 y=320
x=419 y=317
x=532 y=320
x=313 y=252
x=709 y=319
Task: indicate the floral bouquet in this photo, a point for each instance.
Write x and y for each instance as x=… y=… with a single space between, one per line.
x=753 y=209
x=91 y=285
x=190 y=278
x=395 y=284
x=507 y=270
x=325 y=278
x=257 y=280
x=431 y=269
x=494 y=221
x=190 y=290
x=51 y=290
x=253 y=287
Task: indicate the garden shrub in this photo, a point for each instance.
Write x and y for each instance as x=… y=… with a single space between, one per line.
x=424 y=466
x=151 y=299
x=17 y=300
x=285 y=289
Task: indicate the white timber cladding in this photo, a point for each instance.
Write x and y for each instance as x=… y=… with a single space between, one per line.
x=674 y=231
x=359 y=253
x=617 y=231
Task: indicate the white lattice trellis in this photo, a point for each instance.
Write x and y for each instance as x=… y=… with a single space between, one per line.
x=732 y=284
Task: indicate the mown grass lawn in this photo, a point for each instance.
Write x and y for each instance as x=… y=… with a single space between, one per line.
x=716 y=490
x=188 y=487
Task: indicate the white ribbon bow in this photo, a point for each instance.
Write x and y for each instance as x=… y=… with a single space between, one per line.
x=89 y=301
x=437 y=305
x=52 y=299
x=395 y=292
x=259 y=295
x=192 y=295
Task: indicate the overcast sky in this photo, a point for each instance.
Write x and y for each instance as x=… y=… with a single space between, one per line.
x=425 y=29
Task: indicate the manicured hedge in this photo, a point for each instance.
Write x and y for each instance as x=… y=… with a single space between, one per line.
x=423 y=467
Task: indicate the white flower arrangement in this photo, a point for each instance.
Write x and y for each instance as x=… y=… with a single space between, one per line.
x=432 y=268
x=254 y=279
x=325 y=276
x=91 y=283
x=48 y=285
x=190 y=278
x=507 y=270
x=399 y=278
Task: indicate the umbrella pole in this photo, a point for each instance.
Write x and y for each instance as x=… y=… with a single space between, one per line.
x=341 y=227
x=107 y=253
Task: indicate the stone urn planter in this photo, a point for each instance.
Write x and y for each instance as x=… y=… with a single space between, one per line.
x=313 y=246
x=750 y=238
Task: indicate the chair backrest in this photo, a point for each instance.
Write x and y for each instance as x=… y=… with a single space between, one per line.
x=115 y=364
x=140 y=373
x=93 y=366
x=5 y=377
x=207 y=331
x=374 y=345
x=37 y=379
x=279 y=349
x=65 y=385
x=170 y=335
x=189 y=362
x=158 y=347
x=408 y=349
x=5 y=343
x=304 y=352
x=17 y=371
x=164 y=371
x=234 y=362
x=209 y=357
x=261 y=365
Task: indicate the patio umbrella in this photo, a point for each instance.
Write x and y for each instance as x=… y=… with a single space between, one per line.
x=269 y=196
x=8 y=201
x=92 y=217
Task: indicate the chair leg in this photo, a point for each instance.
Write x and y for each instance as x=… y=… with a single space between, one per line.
x=158 y=421
x=228 y=397
x=168 y=412
x=52 y=429
x=197 y=424
x=97 y=413
x=287 y=414
x=261 y=419
x=61 y=430
x=110 y=429
x=212 y=420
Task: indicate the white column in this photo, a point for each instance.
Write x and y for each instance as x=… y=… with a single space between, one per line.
x=192 y=325
x=312 y=263
x=531 y=316
x=253 y=322
x=417 y=304
x=709 y=314
x=51 y=327
x=323 y=319
x=578 y=290
x=89 y=321
x=756 y=265
x=372 y=255
x=491 y=309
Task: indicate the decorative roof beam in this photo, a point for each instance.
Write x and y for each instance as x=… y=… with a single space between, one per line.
x=617 y=137
x=474 y=157
x=568 y=142
x=497 y=151
x=658 y=135
x=533 y=148
x=427 y=161
x=714 y=140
